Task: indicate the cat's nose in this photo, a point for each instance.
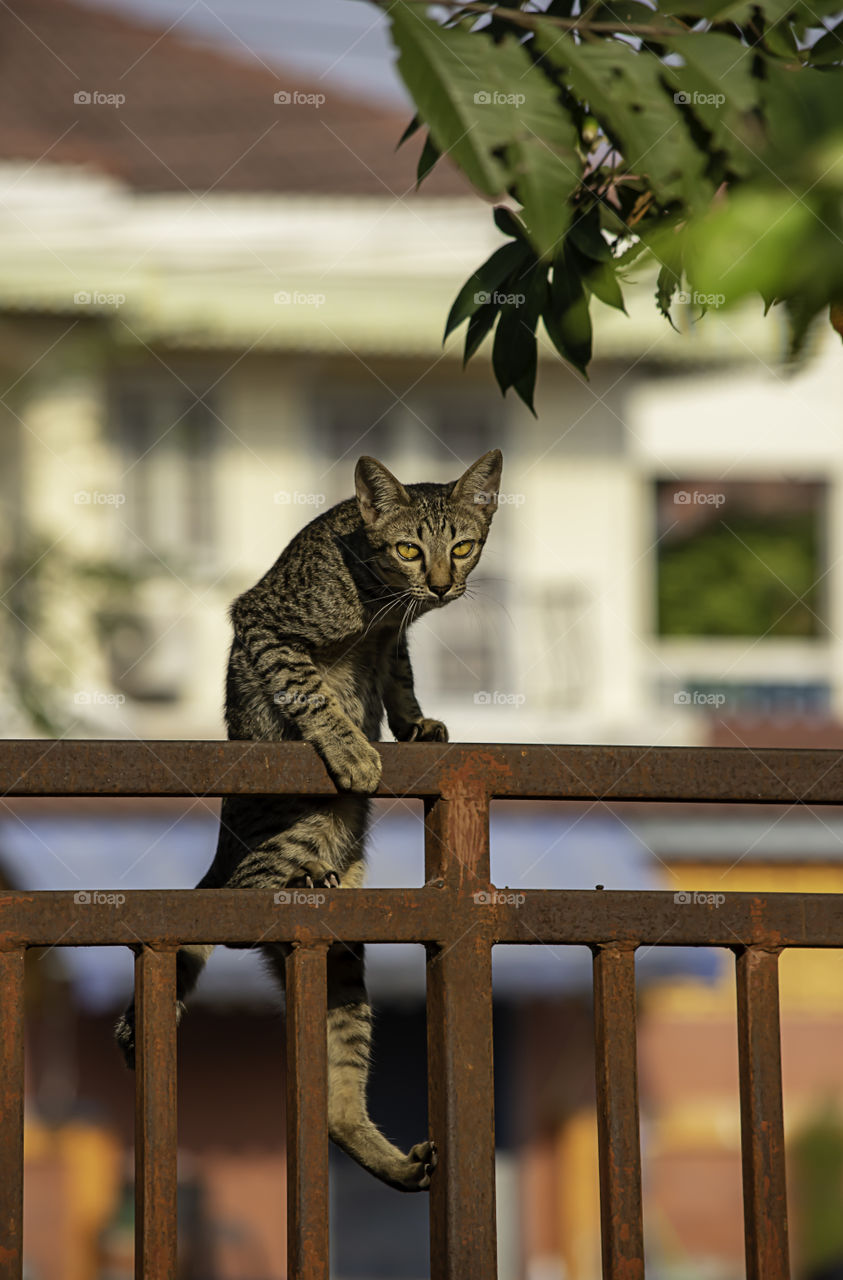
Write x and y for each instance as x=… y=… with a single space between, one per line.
x=440 y=591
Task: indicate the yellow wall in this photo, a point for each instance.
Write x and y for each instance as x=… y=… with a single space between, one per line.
x=810 y=980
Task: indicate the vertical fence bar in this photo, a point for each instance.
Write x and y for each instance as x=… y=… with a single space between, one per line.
x=460 y=1071
x=619 y=1147
x=456 y=838
x=307 y=1114
x=156 y=1135
x=462 y=1113
x=762 y=1123
x=11 y=1114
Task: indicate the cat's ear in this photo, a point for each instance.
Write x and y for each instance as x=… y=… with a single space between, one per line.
x=479 y=486
x=378 y=491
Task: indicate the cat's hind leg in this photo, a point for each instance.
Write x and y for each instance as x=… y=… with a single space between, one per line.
x=305 y=854
x=349 y=1046
x=190 y=961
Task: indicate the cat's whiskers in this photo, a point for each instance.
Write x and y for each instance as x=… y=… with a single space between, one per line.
x=381 y=613
x=472 y=593
x=406 y=620
x=384 y=609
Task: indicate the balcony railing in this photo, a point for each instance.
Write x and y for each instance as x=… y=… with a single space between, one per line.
x=459 y=917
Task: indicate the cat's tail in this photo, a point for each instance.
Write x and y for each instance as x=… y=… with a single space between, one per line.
x=190 y=961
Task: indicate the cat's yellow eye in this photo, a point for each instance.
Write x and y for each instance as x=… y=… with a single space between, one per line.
x=462 y=549
x=407 y=551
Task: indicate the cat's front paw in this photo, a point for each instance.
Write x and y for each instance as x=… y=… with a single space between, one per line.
x=355 y=768
x=425 y=730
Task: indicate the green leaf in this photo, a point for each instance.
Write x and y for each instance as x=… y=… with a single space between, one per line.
x=624 y=91
x=494 y=113
x=715 y=83
x=414 y=124
x=828 y=49
x=779 y=39
x=713 y=64
x=486 y=280
x=430 y=154
x=804 y=12
x=667 y=246
x=544 y=162
x=585 y=234
x=629 y=11
x=478 y=326
x=508 y=223
x=515 y=350
x=713 y=10
x=603 y=283
x=769 y=242
x=800 y=107
x=666 y=285
x=801 y=312
x=446 y=71
x=566 y=316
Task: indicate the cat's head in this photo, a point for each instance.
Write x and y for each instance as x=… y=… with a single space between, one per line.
x=427 y=538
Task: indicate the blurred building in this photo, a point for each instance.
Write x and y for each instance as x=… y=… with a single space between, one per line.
x=217 y=289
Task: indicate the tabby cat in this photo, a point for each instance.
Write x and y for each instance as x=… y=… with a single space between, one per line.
x=319 y=652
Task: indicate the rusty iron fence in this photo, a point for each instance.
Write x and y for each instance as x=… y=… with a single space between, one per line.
x=456 y=783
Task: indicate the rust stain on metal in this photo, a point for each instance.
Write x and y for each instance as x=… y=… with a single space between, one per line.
x=762 y=1125
x=616 y=1066
x=671 y=774
x=461 y=1110
x=456 y=782
x=155 y=1115
x=307 y=1103
x=11 y=1113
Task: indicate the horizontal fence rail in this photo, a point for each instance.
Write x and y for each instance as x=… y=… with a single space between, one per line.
x=459 y=916
x=427 y=770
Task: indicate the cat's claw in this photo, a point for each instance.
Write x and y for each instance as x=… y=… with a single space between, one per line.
x=427 y=731
x=321 y=879
x=329 y=881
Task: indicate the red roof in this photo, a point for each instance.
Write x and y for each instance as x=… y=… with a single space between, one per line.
x=192 y=118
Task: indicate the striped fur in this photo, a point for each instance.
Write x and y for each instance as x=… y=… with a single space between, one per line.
x=319 y=653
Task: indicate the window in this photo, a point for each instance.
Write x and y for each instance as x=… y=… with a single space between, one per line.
x=435 y=432
x=565 y=650
x=455 y=425
x=167 y=436
x=462 y=649
x=741 y=558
